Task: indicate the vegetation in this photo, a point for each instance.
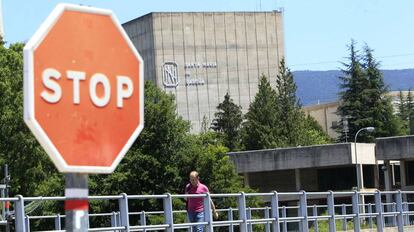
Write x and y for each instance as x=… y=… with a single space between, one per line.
x=260 y=130
x=275 y=118
x=227 y=122
x=406 y=111
x=363 y=101
x=290 y=116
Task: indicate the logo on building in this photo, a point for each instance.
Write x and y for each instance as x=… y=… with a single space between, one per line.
x=170 y=74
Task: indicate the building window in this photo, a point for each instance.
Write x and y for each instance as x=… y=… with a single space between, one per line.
x=409 y=172
x=334 y=125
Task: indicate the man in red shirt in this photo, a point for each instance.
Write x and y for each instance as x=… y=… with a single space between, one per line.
x=195 y=206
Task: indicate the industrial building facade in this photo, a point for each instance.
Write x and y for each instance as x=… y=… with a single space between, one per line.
x=200 y=56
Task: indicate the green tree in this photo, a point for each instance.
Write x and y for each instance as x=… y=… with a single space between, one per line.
x=227 y=122
x=260 y=130
x=379 y=111
x=403 y=112
x=410 y=110
x=351 y=105
x=289 y=108
x=363 y=99
x=275 y=118
x=295 y=128
x=313 y=134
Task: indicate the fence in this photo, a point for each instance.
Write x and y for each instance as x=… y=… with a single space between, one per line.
x=382 y=210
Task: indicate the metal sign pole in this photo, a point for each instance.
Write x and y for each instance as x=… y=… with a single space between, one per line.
x=76 y=203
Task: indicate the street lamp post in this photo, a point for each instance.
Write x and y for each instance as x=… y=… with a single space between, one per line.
x=357 y=166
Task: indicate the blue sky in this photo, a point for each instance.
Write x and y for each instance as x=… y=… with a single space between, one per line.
x=316 y=31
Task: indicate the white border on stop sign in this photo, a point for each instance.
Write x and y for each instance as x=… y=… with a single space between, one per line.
x=29 y=111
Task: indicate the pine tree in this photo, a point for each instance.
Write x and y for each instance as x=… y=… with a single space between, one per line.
x=275 y=118
x=351 y=105
x=228 y=121
x=261 y=125
x=363 y=99
x=402 y=106
x=410 y=111
x=403 y=112
x=289 y=109
x=379 y=110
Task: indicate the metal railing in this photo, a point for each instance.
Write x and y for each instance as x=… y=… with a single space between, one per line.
x=281 y=212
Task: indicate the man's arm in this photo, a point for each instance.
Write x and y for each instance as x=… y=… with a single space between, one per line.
x=213 y=207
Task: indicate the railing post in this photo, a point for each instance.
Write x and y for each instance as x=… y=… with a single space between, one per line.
x=230 y=218
x=394 y=216
x=58 y=222
x=208 y=216
x=284 y=224
x=242 y=212
x=118 y=219
x=370 y=215
x=355 y=211
x=27 y=222
x=400 y=222
x=406 y=217
x=168 y=211
x=114 y=221
x=19 y=214
x=275 y=212
x=143 y=220
x=344 y=221
x=315 y=222
x=331 y=212
x=267 y=216
x=378 y=210
x=384 y=209
x=124 y=212
x=303 y=210
x=249 y=216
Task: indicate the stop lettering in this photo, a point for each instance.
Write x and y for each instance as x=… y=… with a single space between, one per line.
x=124 y=87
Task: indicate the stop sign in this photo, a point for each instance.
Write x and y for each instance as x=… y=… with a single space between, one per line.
x=83 y=89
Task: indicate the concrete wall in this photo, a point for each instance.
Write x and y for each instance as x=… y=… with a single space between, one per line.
x=364 y=153
x=302 y=157
x=141 y=34
x=395 y=148
x=325 y=115
x=216 y=52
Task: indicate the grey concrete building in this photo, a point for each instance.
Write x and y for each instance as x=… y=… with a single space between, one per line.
x=311 y=168
x=398 y=156
x=200 y=56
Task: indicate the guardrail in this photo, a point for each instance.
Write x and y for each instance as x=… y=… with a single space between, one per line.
x=382 y=210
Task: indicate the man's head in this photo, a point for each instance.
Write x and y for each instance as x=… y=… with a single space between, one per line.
x=194 y=178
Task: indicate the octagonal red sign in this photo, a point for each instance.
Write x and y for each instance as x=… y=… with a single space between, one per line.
x=83 y=89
